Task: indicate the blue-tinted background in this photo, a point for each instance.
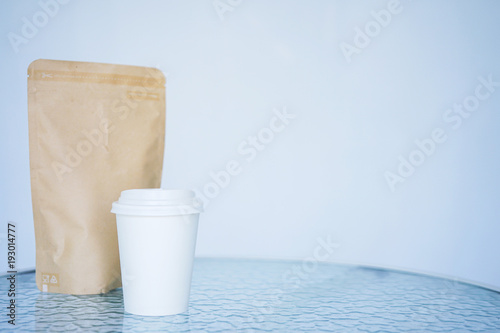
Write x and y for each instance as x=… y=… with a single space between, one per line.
x=361 y=93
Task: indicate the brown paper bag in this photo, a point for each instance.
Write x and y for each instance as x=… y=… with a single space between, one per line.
x=94 y=130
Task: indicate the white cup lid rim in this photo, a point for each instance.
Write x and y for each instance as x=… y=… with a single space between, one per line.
x=156 y=202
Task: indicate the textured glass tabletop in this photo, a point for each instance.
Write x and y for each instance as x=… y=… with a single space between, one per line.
x=274 y=296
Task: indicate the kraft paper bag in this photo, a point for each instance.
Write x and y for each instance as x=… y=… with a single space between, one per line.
x=94 y=131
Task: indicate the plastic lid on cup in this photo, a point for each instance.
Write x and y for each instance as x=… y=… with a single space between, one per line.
x=156 y=202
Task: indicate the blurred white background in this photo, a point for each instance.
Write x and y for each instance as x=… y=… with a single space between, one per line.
x=362 y=80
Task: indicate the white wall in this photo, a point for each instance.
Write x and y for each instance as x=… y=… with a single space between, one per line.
x=323 y=175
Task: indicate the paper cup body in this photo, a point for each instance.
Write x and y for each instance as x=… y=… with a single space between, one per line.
x=157 y=239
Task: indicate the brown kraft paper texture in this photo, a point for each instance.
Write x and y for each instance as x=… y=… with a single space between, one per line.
x=94 y=130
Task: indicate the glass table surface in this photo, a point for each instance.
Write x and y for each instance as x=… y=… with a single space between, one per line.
x=235 y=295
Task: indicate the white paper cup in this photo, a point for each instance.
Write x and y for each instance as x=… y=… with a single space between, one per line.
x=156 y=237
